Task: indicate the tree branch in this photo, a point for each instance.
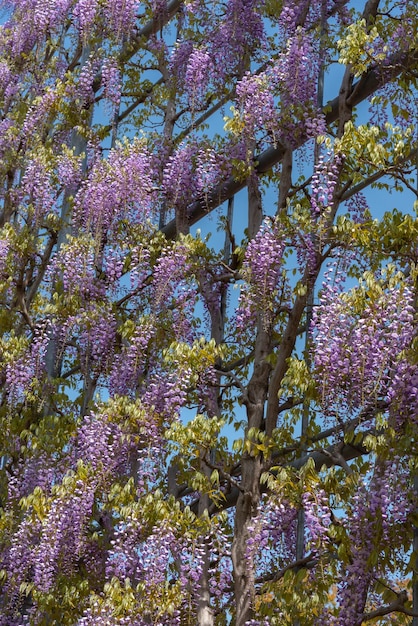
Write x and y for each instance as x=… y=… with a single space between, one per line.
x=362 y=89
x=397 y=606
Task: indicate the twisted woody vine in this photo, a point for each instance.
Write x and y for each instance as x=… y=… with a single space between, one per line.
x=208 y=288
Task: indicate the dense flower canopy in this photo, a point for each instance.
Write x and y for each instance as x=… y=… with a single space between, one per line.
x=208 y=287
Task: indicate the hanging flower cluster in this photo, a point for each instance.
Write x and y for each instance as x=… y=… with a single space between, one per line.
x=149 y=556
x=111 y=81
x=262 y=269
x=403 y=396
x=118 y=18
x=178 y=179
x=27 y=368
x=76 y=268
x=272 y=536
x=381 y=509
x=130 y=364
x=54 y=532
x=38 y=188
x=95 y=328
x=323 y=184
x=240 y=31
x=221 y=55
x=357 y=353
x=198 y=74
x=286 y=91
x=122 y=187
x=256 y=101
x=195 y=169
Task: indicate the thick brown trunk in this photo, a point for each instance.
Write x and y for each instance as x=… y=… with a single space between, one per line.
x=246 y=509
x=249 y=497
x=252 y=460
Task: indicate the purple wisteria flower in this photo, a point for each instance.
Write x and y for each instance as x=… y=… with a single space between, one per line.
x=357 y=355
x=262 y=269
